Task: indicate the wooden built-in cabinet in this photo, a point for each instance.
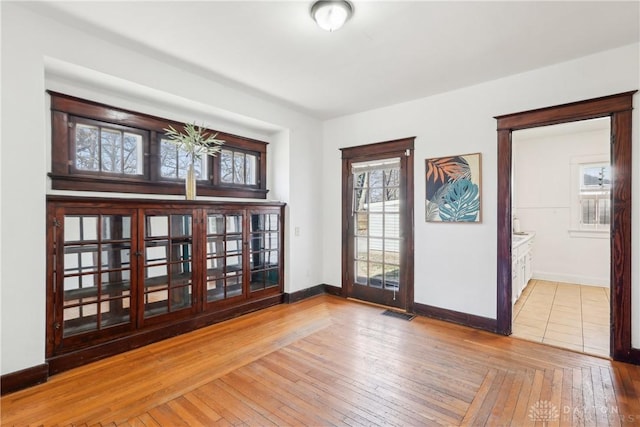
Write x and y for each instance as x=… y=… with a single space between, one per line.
x=122 y=273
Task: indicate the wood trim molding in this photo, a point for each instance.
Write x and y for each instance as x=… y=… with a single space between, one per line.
x=618 y=107
x=304 y=294
x=464 y=319
x=24 y=378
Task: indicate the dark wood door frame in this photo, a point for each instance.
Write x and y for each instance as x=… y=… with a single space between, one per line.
x=618 y=107
x=395 y=148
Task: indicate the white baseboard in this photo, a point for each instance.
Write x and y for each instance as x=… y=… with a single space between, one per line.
x=573 y=279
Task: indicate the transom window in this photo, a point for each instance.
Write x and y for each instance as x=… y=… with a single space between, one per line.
x=96 y=147
x=107 y=149
x=174 y=162
x=238 y=167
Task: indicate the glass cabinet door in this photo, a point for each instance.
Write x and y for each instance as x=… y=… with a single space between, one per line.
x=94 y=272
x=168 y=263
x=264 y=248
x=224 y=256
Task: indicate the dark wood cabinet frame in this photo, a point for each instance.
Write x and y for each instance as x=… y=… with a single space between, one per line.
x=87 y=347
x=619 y=108
x=64 y=176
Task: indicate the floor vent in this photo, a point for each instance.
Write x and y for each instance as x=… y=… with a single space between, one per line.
x=398 y=314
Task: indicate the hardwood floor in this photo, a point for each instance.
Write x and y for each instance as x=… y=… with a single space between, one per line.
x=329 y=361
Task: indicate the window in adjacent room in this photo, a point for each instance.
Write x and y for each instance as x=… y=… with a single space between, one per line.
x=595 y=196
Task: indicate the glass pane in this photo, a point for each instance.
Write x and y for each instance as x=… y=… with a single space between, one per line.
x=78 y=228
x=391 y=177
x=272 y=278
x=391 y=225
x=238 y=168
x=258 y=222
x=271 y=240
x=155 y=275
x=111 y=150
x=80 y=319
x=392 y=251
x=156 y=303
x=362 y=250
x=376 y=178
x=215 y=224
x=215 y=246
x=116 y=227
x=391 y=277
x=234 y=245
x=116 y=283
x=234 y=224
x=360 y=199
x=132 y=154
x=180 y=274
x=215 y=266
x=257 y=261
x=256 y=243
x=375 y=225
x=87 y=148
x=180 y=298
x=604 y=211
x=257 y=280
x=234 y=286
x=168 y=159
x=361 y=272
x=234 y=263
x=80 y=259
x=215 y=289
x=156 y=252
x=251 y=169
x=272 y=259
x=226 y=166
x=114 y=312
x=361 y=224
x=181 y=251
x=375 y=200
x=391 y=200
x=274 y=222
x=157 y=226
x=180 y=225
x=115 y=256
x=375 y=275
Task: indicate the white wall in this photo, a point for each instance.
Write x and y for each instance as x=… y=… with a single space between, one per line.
x=545 y=183
x=38 y=53
x=456 y=263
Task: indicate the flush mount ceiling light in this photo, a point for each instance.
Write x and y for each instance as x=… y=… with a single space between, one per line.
x=331 y=15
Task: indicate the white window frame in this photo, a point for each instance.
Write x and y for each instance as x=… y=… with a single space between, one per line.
x=578 y=193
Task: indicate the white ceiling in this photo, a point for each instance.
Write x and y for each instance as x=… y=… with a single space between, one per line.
x=390 y=51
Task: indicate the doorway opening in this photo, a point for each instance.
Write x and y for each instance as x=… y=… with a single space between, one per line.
x=561 y=207
x=618 y=108
x=377 y=223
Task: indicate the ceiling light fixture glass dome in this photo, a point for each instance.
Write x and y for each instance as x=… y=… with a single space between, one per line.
x=331 y=15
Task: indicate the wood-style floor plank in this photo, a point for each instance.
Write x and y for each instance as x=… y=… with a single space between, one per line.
x=327 y=361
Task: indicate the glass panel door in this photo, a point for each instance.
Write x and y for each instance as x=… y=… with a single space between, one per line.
x=168 y=263
x=376 y=217
x=224 y=256
x=377 y=223
x=264 y=247
x=95 y=272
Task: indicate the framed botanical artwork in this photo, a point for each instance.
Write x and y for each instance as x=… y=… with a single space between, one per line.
x=453 y=188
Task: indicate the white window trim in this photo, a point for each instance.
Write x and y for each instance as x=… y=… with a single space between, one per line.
x=576 y=229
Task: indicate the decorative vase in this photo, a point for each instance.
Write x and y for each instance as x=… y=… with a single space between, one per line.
x=190 y=183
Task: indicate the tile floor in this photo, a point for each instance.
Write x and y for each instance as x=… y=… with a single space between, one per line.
x=564 y=315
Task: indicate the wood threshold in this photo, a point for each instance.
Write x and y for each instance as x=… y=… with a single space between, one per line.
x=329 y=361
